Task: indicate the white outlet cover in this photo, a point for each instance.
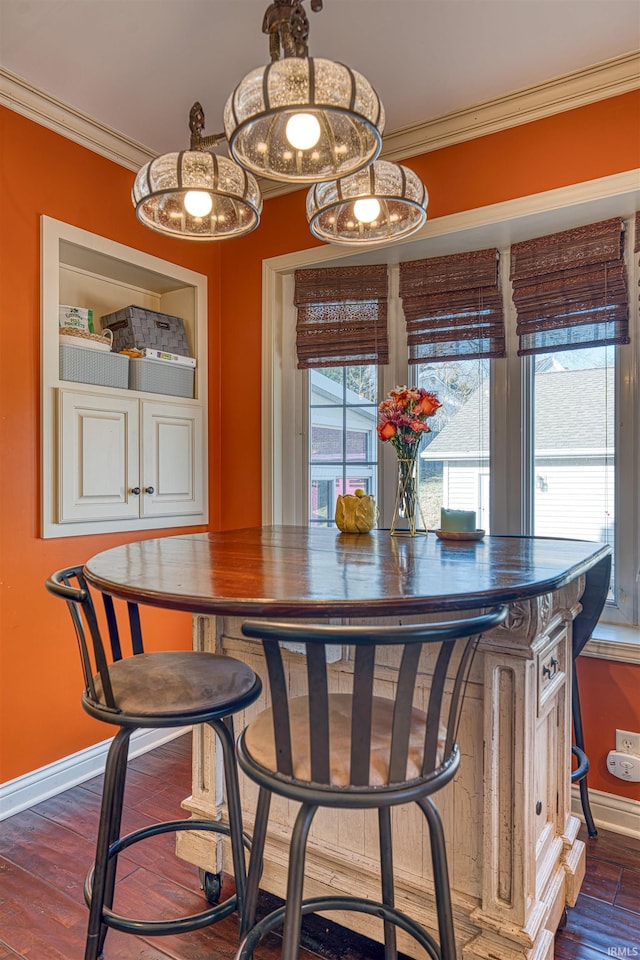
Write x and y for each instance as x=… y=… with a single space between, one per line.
x=625 y=766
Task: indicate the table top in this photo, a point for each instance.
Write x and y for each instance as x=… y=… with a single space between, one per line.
x=301 y=571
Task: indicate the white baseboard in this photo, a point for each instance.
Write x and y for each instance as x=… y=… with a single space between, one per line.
x=54 y=778
x=610 y=812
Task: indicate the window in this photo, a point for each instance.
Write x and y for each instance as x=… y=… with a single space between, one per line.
x=541 y=444
x=455 y=465
x=574 y=445
x=343 y=441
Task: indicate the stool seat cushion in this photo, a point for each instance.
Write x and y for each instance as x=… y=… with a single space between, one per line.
x=179 y=682
x=259 y=740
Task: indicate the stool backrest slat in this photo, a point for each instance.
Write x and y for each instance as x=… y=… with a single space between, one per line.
x=382 y=704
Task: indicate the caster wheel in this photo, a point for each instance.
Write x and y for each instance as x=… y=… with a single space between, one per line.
x=211 y=884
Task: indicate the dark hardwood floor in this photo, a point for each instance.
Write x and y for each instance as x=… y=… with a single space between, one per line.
x=45 y=852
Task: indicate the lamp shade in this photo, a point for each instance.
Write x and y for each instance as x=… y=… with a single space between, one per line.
x=227 y=196
x=399 y=208
x=348 y=111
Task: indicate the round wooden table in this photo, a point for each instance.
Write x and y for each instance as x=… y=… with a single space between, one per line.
x=302 y=571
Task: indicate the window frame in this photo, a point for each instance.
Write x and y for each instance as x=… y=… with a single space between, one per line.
x=285 y=398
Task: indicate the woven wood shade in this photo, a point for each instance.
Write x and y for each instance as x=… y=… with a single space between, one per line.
x=570 y=289
x=342 y=316
x=453 y=307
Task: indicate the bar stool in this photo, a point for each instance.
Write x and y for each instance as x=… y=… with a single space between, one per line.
x=150 y=690
x=365 y=748
x=593 y=599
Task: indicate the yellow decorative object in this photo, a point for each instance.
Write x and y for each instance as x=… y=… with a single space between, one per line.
x=356 y=514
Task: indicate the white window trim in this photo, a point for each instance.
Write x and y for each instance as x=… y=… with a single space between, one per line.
x=284 y=428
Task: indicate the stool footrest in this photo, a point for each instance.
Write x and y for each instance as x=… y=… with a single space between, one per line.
x=179 y=924
x=358 y=904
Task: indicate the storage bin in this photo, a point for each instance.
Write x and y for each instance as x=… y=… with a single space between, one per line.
x=137 y=328
x=94 y=366
x=160 y=376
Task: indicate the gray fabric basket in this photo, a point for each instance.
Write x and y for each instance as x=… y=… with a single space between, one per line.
x=86 y=365
x=161 y=376
x=137 y=328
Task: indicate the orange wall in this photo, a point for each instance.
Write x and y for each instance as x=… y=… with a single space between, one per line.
x=40 y=683
x=610 y=701
x=43 y=173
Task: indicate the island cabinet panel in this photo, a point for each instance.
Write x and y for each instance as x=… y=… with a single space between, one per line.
x=514 y=859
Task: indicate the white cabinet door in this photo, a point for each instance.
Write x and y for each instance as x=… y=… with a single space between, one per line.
x=172 y=477
x=98 y=457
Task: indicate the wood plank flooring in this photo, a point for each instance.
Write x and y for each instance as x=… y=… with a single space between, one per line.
x=46 y=851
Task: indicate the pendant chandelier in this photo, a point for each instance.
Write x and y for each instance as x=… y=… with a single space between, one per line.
x=197 y=194
x=383 y=202
x=298 y=120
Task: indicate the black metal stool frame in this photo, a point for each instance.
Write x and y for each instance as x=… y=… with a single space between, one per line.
x=593 y=600
x=100 y=700
x=438 y=762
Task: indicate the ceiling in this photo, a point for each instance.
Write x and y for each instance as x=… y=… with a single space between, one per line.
x=136 y=66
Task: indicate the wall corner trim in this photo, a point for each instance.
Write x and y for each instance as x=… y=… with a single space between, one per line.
x=600 y=81
x=610 y=812
x=38 y=785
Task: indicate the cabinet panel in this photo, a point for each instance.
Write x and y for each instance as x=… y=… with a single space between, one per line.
x=171 y=460
x=98 y=457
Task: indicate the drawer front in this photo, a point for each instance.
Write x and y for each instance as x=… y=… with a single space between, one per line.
x=551 y=667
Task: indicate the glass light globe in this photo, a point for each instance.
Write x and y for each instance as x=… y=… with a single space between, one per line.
x=262 y=110
x=302 y=131
x=197 y=203
x=366 y=210
x=165 y=187
x=394 y=197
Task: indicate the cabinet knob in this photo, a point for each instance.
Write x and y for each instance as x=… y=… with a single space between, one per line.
x=538 y=808
x=136 y=491
x=149 y=490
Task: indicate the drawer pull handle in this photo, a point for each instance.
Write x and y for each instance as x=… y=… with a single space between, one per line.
x=538 y=808
x=549 y=670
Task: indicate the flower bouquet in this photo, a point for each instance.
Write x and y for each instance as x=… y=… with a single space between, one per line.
x=402 y=421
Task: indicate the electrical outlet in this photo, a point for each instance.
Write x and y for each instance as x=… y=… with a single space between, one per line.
x=627 y=742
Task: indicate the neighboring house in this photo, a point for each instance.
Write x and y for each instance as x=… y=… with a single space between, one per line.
x=334 y=424
x=574 y=455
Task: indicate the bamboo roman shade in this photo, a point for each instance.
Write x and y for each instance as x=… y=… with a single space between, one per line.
x=570 y=289
x=342 y=316
x=453 y=307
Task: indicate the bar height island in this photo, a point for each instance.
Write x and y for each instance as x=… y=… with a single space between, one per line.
x=514 y=858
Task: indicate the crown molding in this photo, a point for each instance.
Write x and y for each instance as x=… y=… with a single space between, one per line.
x=599 y=82
x=42 y=108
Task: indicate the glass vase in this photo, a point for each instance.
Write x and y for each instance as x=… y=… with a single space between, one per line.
x=407 y=513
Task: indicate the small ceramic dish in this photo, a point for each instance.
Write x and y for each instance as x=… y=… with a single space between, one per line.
x=459 y=534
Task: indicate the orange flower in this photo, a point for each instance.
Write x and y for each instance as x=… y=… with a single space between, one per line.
x=427 y=405
x=387 y=430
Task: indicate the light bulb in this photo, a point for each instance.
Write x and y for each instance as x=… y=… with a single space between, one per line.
x=366 y=210
x=302 y=131
x=198 y=203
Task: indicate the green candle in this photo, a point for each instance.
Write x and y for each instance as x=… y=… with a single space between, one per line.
x=458 y=520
